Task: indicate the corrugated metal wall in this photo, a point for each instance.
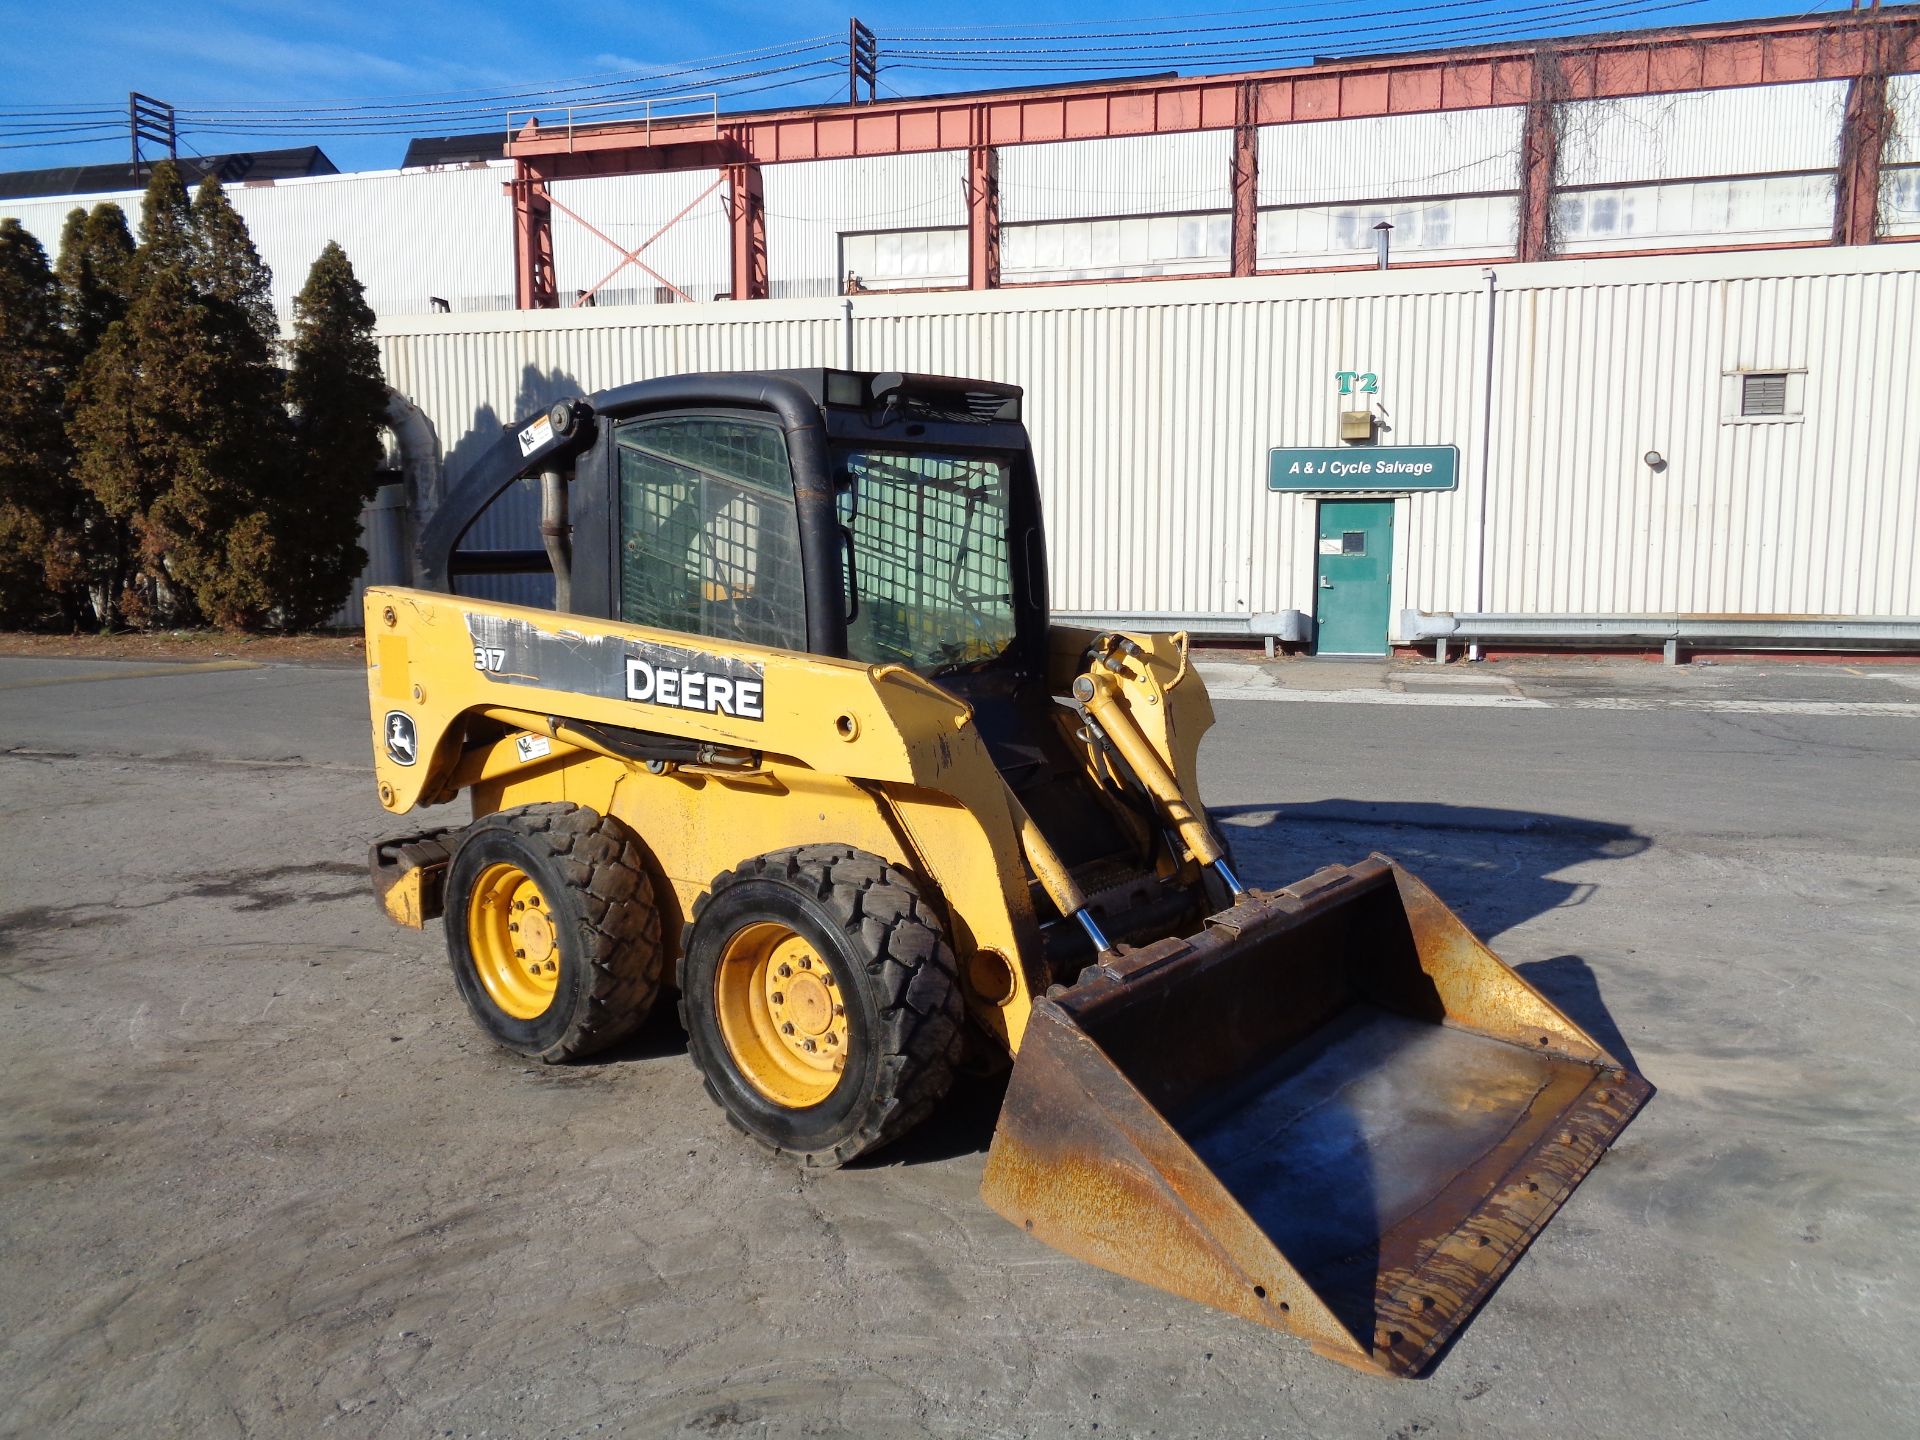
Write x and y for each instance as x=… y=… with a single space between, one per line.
x=1153 y=408
x=812 y=203
x=1141 y=175
x=410 y=235
x=42 y=219
x=692 y=252
x=1391 y=157
x=1751 y=130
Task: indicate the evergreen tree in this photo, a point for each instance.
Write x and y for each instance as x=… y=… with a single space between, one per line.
x=178 y=427
x=228 y=269
x=96 y=253
x=36 y=495
x=339 y=403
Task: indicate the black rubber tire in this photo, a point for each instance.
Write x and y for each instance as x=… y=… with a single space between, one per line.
x=593 y=872
x=889 y=954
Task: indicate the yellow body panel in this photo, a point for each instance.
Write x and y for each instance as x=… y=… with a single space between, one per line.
x=842 y=752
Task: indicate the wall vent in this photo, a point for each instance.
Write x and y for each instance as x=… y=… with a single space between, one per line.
x=1763 y=394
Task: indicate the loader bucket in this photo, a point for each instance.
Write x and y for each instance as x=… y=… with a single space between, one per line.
x=1333 y=1111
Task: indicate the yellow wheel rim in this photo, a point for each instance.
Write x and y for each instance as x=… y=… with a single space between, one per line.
x=516 y=951
x=781 y=1014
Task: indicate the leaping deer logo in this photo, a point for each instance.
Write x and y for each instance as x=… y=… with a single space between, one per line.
x=400 y=741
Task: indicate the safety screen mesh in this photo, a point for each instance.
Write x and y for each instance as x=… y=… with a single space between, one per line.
x=930 y=579
x=708 y=540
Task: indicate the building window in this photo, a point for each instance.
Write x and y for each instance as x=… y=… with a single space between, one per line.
x=1900 y=200
x=905 y=259
x=1762 y=209
x=1445 y=228
x=1126 y=247
x=1762 y=396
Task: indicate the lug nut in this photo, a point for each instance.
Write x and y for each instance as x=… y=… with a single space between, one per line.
x=533 y=900
x=826 y=978
x=806 y=962
x=787 y=1029
x=519 y=904
x=832 y=1039
x=779 y=998
x=786 y=971
x=519 y=954
x=839 y=1010
x=808 y=1045
x=513 y=926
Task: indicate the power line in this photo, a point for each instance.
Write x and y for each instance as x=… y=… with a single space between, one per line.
x=1523 y=17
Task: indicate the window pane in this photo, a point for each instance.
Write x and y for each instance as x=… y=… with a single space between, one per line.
x=708 y=540
x=930 y=557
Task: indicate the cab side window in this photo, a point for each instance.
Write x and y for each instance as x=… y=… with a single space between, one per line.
x=709 y=541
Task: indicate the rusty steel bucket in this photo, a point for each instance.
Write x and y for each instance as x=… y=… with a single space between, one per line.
x=1333 y=1111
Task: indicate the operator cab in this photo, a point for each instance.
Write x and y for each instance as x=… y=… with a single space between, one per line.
x=881 y=517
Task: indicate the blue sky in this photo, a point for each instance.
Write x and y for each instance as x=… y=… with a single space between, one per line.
x=445 y=67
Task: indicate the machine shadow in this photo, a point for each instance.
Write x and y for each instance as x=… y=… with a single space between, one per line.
x=512 y=521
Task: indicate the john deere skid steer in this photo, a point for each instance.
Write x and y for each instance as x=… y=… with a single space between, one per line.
x=797 y=741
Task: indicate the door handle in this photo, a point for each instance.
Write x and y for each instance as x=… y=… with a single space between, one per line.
x=1325 y=584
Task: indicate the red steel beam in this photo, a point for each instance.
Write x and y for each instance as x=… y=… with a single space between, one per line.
x=747 y=225
x=1647 y=62
x=983 y=217
x=1539 y=154
x=535 y=287
x=1246 y=180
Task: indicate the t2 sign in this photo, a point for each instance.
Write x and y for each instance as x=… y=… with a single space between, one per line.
x=1357 y=382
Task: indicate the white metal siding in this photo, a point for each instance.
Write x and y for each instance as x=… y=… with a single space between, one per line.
x=1136 y=175
x=1391 y=157
x=409 y=235
x=1153 y=407
x=693 y=252
x=1694 y=134
x=43 y=219
x=811 y=204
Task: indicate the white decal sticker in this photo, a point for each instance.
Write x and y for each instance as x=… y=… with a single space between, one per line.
x=532 y=747
x=686 y=689
x=1330 y=545
x=539 y=433
x=486 y=657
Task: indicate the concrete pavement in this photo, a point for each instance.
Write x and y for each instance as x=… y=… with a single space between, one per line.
x=259 y=1174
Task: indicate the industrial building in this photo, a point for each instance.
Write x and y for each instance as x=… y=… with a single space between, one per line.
x=1649 y=297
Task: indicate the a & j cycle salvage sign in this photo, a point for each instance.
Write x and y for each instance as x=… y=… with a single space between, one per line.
x=1365 y=467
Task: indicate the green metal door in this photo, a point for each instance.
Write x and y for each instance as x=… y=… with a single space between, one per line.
x=1354 y=577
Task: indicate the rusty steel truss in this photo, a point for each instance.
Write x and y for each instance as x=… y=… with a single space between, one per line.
x=1862 y=47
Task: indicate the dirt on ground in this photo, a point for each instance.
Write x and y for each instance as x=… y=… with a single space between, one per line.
x=332 y=648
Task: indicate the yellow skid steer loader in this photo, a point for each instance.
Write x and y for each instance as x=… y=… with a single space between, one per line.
x=797 y=739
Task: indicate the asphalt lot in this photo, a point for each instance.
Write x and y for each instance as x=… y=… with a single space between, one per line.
x=260 y=1176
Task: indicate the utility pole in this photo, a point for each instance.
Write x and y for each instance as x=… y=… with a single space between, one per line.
x=863 y=61
x=150 y=119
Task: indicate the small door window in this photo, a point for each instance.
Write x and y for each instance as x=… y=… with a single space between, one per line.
x=1353 y=542
x=709 y=541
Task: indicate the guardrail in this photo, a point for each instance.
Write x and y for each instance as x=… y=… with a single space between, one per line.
x=644 y=112
x=1673 y=633
x=1292 y=627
